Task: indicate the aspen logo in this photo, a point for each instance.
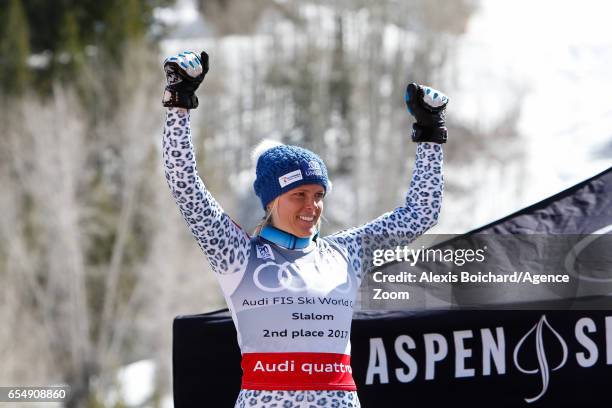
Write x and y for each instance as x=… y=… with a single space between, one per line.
x=314 y=169
x=543 y=363
x=289 y=178
x=541 y=352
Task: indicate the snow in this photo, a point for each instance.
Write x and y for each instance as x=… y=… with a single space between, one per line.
x=137 y=382
x=136 y=385
x=556 y=56
x=183 y=12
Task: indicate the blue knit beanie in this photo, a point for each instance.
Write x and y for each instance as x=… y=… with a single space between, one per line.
x=283 y=168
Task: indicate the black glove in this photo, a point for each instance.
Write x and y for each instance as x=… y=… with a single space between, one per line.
x=428 y=107
x=184 y=73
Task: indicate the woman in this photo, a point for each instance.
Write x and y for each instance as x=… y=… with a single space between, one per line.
x=290 y=291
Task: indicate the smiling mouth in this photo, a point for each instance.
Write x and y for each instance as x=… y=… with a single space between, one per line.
x=306 y=219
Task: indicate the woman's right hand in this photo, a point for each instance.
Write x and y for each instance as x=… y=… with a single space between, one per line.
x=184 y=74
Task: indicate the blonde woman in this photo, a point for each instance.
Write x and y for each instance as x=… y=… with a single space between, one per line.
x=290 y=291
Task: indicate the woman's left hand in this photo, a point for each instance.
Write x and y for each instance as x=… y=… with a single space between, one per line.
x=428 y=106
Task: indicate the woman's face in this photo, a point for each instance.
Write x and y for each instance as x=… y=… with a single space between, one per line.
x=297 y=211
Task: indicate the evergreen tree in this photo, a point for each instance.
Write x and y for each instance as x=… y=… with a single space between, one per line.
x=14 y=48
x=124 y=22
x=69 y=56
x=64 y=30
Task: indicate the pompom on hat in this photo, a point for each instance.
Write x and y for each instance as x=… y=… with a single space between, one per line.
x=281 y=168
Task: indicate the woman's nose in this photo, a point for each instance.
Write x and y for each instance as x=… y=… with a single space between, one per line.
x=311 y=203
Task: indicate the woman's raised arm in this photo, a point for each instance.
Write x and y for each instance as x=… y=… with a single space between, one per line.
x=225 y=244
x=423 y=201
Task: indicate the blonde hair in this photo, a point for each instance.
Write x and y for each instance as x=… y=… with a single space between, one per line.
x=267 y=218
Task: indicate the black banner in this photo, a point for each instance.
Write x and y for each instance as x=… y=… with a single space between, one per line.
x=434 y=359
